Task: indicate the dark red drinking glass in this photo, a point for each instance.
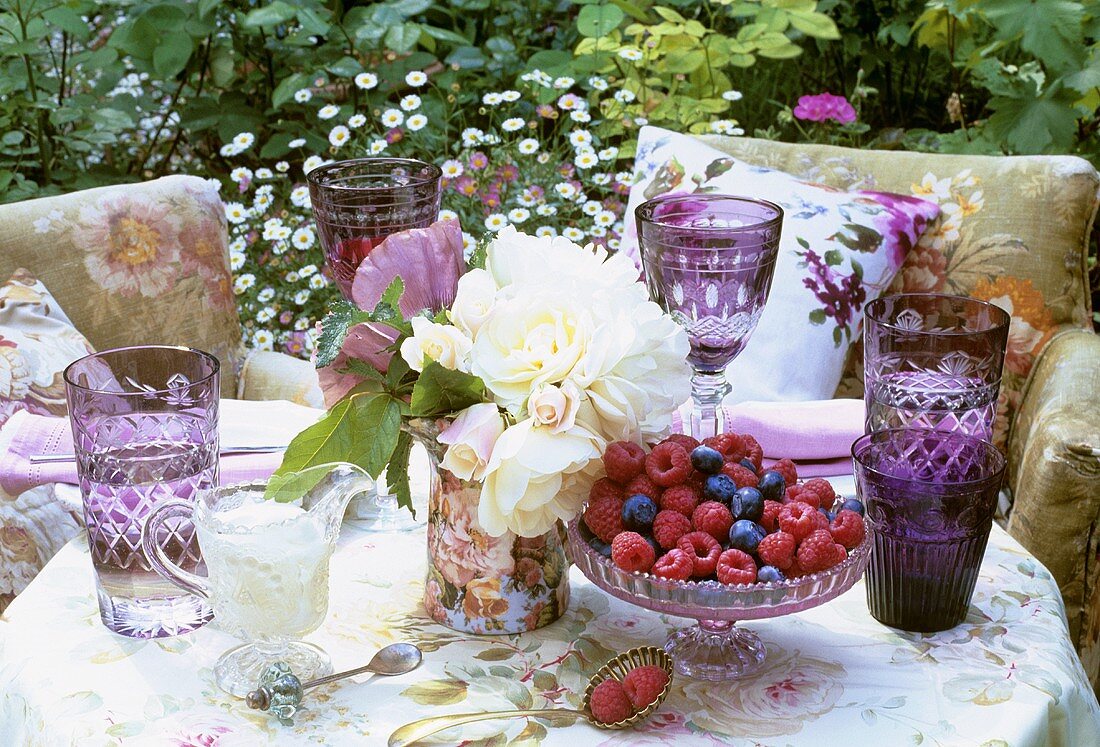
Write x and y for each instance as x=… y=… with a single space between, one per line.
x=358 y=203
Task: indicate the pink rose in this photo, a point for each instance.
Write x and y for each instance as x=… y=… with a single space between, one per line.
x=470 y=440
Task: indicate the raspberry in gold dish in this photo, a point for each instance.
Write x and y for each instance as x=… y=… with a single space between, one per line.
x=715 y=649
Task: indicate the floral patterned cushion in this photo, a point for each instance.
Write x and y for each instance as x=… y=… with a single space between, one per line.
x=838 y=251
x=37 y=342
x=135 y=263
x=1013 y=231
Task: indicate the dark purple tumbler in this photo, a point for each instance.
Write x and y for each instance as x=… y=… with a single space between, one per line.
x=930 y=497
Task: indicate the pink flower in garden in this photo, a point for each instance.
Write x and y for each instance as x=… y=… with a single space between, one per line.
x=490 y=198
x=286 y=317
x=537 y=192
x=546 y=111
x=395 y=135
x=823 y=107
x=508 y=172
x=570 y=101
x=296 y=343
x=466 y=185
x=479 y=161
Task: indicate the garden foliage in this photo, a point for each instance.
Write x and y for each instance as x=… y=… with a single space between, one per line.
x=532 y=107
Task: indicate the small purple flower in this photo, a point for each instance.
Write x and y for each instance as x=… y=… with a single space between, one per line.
x=823 y=107
x=394 y=135
x=546 y=111
x=286 y=318
x=840 y=295
x=508 y=172
x=466 y=185
x=478 y=161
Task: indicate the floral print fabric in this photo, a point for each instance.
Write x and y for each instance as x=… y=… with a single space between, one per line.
x=154 y=252
x=37 y=342
x=1007 y=675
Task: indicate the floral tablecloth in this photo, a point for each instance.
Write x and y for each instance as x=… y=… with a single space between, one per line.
x=1007 y=676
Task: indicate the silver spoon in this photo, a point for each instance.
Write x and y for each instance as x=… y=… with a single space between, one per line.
x=280 y=691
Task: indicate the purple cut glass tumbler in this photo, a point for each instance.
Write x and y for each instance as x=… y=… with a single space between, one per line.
x=358 y=203
x=145 y=430
x=708 y=261
x=930 y=497
x=933 y=361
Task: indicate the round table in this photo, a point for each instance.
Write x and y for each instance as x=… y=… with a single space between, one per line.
x=1006 y=676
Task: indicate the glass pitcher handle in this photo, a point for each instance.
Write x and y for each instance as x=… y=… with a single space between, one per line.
x=155 y=554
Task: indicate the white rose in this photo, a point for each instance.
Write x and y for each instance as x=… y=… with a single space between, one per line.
x=555 y=406
x=473 y=302
x=536 y=477
x=470 y=439
x=534 y=339
x=442 y=343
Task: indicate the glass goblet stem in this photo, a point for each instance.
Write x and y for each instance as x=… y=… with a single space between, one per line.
x=707 y=390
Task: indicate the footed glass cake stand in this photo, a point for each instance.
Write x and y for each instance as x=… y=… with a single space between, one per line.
x=716 y=648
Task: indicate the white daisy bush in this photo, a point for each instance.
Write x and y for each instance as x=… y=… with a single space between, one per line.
x=549 y=153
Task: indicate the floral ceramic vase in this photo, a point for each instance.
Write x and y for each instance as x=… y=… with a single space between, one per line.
x=478 y=583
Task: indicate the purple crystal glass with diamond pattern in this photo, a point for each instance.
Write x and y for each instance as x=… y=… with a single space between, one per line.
x=933 y=361
x=930 y=496
x=708 y=261
x=145 y=430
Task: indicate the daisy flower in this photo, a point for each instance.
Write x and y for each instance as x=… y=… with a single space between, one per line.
x=472 y=136
x=299 y=196
x=586 y=159
x=301 y=324
x=265 y=295
x=317 y=282
x=238 y=244
x=306 y=271
x=302 y=95
x=546 y=210
x=416 y=122
x=240 y=174
x=640 y=121
x=264 y=174
x=512 y=124
x=265 y=314
x=492 y=99
x=573 y=233
x=235 y=212
x=416 y=78
x=303 y=238
x=495 y=222
x=528 y=145
x=601 y=179
x=263 y=199
x=598 y=231
x=328 y=111
x=518 y=215
x=624 y=96
x=339 y=135
x=302 y=296
x=726 y=127
x=297 y=142
x=577 y=138
x=377 y=146
x=732 y=95
x=597 y=83
x=630 y=53
x=282 y=167
x=452 y=169
x=563 y=82
x=448 y=214
x=311 y=163
x=366 y=81
x=244 y=282
x=392 y=117
x=565 y=190
x=580 y=115
x=291 y=277
x=356 y=121
x=263 y=340
x=546 y=232
x=244 y=140
x=608 y=154
x=510 y=95
x=604 y=218
x=236 y=260
x=410 y=103
x=229 y=149
x=591 y=208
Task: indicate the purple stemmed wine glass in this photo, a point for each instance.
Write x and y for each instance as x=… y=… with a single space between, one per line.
x=708 y=261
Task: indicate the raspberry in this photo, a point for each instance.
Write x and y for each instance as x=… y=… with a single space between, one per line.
x=786 y=468
x=847 y=528
x=604 y=516
x=826 y=496
x=777 y=549
x=741 y=475
x=731 y=446
x=644 y=684
x=754 y=452
x=795 y=571
x=818 y=552
x=770 y=519
x=675 y=565
x=713 y=518
x=797 y=493
x=609 y=702
x=668 y=464
x=736 y=567
x=669 y=527
x=695 y=543
x=798 y=519
x=632 y=552
x=821 y=521
x=604 y=486
x=642 y=485
x=684 y=440
x=680 y=498
x=624 y=460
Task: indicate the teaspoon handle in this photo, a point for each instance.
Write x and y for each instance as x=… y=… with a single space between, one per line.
x=425 y=727
x=336 y=676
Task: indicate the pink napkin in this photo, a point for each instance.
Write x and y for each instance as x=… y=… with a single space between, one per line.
x=817 y=435
x=241 y=423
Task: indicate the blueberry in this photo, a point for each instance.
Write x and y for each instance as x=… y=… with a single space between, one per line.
x=720 y=488
x=658 y=551
x=747 y=503
x=769 y=574
x=828 y=514
x=748 y=464
x=773 y=485
x=853 y=504
x=600 y=546
x=639 y=511
x=745 y=535
x=706 y=460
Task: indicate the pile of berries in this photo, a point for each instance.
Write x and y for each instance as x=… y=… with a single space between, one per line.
x=691 y=511
x=612 y=701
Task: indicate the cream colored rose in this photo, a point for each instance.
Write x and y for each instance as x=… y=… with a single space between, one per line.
x=470 y=440
x=555 y=406
x=476 y=294
x=530 y=340
x=442 y=343
x=536 y=477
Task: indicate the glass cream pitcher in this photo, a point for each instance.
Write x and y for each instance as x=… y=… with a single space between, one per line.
x=267 y=569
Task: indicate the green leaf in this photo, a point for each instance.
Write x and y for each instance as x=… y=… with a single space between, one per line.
x=284 y=92
x=67 y=19
x=444 y=35
x=334 y=328
x=833 y=258
x=172 y=54
x=1040 y=125
x=345 y=67
x=291 y=486
x=397 y=474
x=817 y=25
x=466 y=58
x=270 y=15
x=817 y=316
x=403 y=37
x=441 y=391
x=312 y=22
x=599 y=20
x=361 y=429
x=206 y=6
x=1051 y=29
